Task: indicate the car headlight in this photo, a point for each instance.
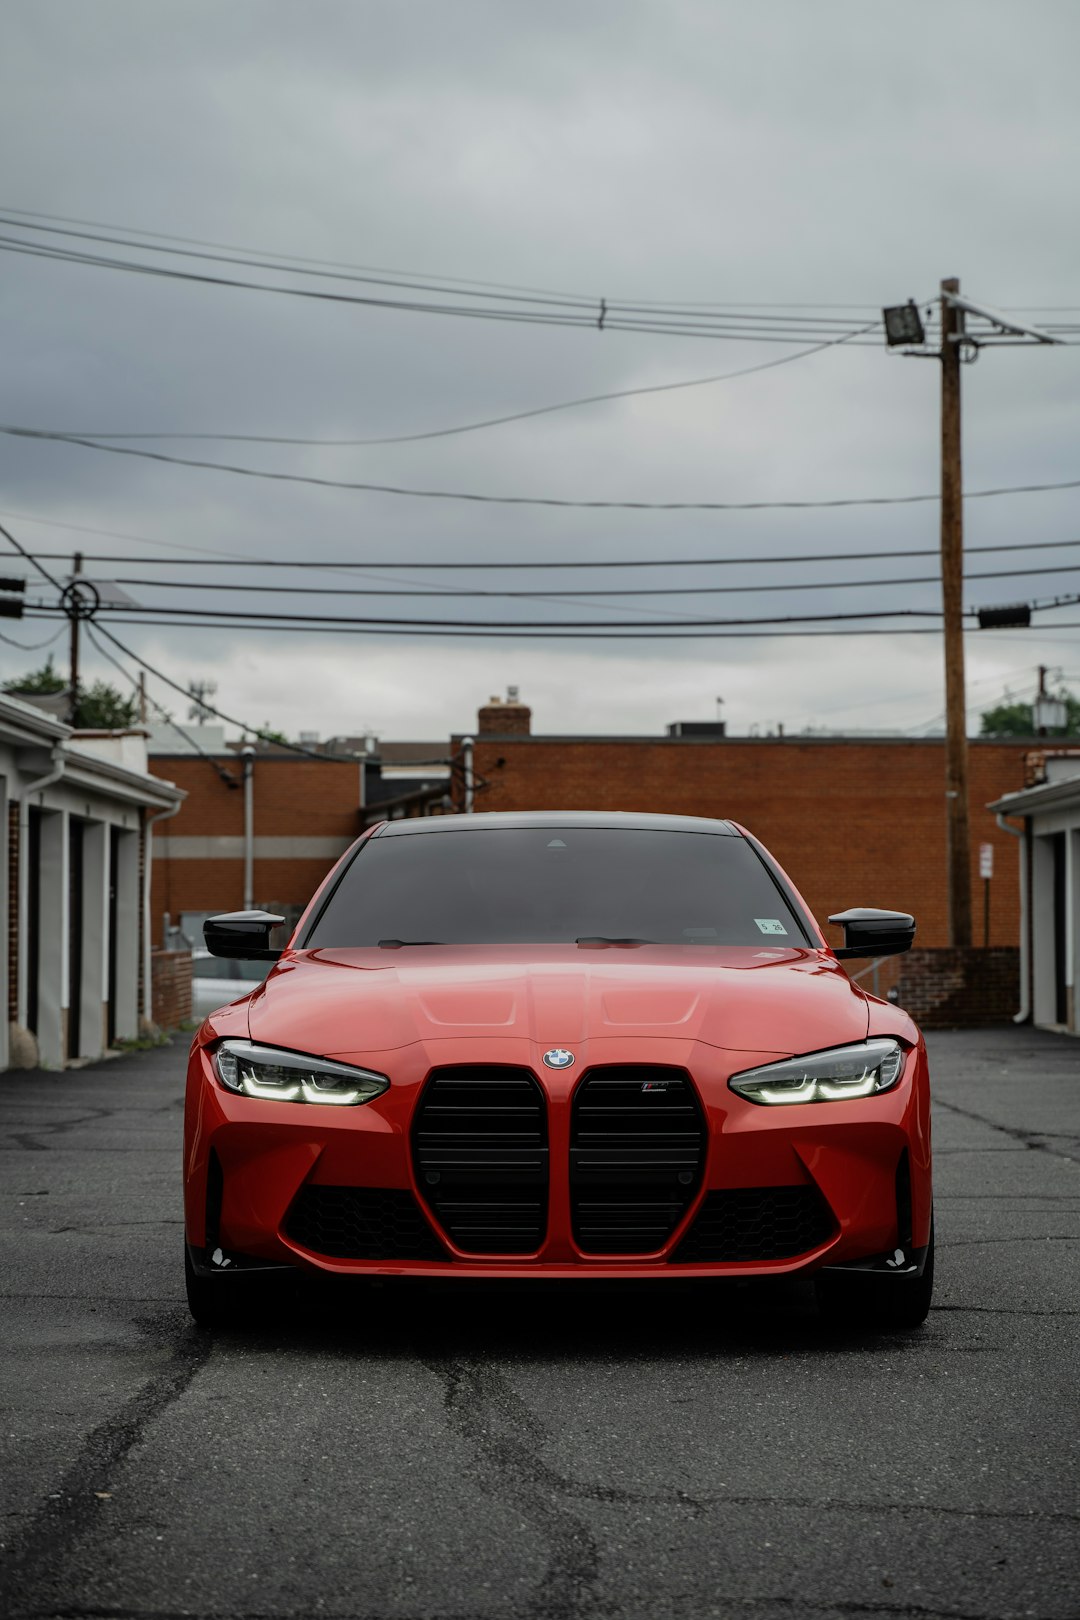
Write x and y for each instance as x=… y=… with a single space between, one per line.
x=842 y=1071
x=268 y=1071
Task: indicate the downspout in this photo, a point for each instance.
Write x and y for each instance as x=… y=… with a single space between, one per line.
x=248 y=755
x=1024 y=852
x=56 y=771
x=148 y=863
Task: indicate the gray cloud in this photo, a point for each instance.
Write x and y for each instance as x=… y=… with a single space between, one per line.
x=677 y=151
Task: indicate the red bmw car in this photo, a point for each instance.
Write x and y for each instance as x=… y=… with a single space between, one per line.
x=560 y=1046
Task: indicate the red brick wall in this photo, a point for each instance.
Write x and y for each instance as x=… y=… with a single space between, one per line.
x=853 y=823
x=951 y=989
x=170 y=988
x=294 y=798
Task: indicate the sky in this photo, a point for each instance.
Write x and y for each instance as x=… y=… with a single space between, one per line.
x=667 y=151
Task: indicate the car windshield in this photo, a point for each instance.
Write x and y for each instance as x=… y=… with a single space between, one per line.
x=556 y=885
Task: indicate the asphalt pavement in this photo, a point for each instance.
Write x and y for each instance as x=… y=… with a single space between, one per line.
x=439 y=1453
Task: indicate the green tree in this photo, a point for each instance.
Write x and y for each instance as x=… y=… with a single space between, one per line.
x=1015 y=719
x=101 y=706
x=45 y=681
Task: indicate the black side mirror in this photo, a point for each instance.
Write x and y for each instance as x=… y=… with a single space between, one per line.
x=242 y=933
x=874 y=933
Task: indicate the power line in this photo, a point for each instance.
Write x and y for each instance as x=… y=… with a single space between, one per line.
x=593 y=309
x=553 y=635
x=32 y=646
x=234 y=560
x=518 y=500
x=190 y=742
x=597 y=310
x=472 y=281
x=570 y=595
x=603 y=317
x=271 y=619
x=296 y=258
x=254 y=731
x=491 y=421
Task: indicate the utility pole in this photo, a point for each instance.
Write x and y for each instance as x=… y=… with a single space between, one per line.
x=966 y=329
x=73 y=625
x=958 y=842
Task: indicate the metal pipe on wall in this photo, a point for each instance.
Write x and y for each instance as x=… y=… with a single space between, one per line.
x=248 y=755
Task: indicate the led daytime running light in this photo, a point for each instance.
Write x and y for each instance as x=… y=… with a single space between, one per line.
x=274 y=1075
x=831 y=1076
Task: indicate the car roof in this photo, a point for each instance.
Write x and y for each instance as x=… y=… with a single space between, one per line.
x=622 y=820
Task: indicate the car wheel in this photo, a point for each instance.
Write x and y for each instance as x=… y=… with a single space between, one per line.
x=864 y=1300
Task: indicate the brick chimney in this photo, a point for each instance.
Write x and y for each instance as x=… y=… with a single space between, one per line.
x=504 y=717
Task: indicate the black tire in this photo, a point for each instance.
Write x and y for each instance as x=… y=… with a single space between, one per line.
x=862 y=1300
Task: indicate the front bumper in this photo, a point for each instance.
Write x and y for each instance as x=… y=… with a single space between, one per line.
x=836 y=1184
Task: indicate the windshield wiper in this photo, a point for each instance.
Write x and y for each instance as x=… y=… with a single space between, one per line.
x=608 y=939
x=396 y=944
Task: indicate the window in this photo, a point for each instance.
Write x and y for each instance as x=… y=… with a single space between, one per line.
x=549 y=885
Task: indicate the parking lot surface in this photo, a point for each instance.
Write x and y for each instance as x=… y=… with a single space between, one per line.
x=432 y=1452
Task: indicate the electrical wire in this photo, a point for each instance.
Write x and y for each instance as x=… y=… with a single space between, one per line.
x=520 y=500
x=294 y=258
x=593 y=307
x=32 y=646
x=491 y=421
x=190 y=742
x=365 y=621
x=552 y=635
x=254 y=731
x=603 y=318
x=572 y=595
x=235 y=560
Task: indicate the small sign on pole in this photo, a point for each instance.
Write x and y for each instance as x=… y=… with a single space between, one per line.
x=986 y=872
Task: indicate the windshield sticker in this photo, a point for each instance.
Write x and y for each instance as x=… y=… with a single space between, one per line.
x=770 y=925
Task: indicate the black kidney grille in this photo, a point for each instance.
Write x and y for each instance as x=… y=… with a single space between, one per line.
x=362 y=1223
x=480 y=1152
x=637 y=1153
x=757 y=1223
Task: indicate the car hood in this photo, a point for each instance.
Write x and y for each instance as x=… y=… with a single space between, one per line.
x=346 y=1002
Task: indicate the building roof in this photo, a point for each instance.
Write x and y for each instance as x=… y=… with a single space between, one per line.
x=1058 y=795
x=25 y=726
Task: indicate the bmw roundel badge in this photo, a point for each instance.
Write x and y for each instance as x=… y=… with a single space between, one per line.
x=558 y=1058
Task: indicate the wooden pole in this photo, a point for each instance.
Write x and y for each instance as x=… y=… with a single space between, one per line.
x=73 y=625
x=952 y=589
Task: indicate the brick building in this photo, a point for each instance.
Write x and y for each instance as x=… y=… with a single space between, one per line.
x=856 y=821
x=305 y=812
x=77 y=817
x=853 y=821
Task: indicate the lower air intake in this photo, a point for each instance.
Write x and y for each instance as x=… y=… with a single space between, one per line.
x=362 y=1223
x=757 y=1223
x=480 y=1153
x=637 y=1152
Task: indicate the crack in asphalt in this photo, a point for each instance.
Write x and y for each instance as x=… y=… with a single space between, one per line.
x=505 y=1437
x=1005 y=1242
x=1035 y=1140
x=59 y=1127
x=1002 y=1310
x=40 y=1547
